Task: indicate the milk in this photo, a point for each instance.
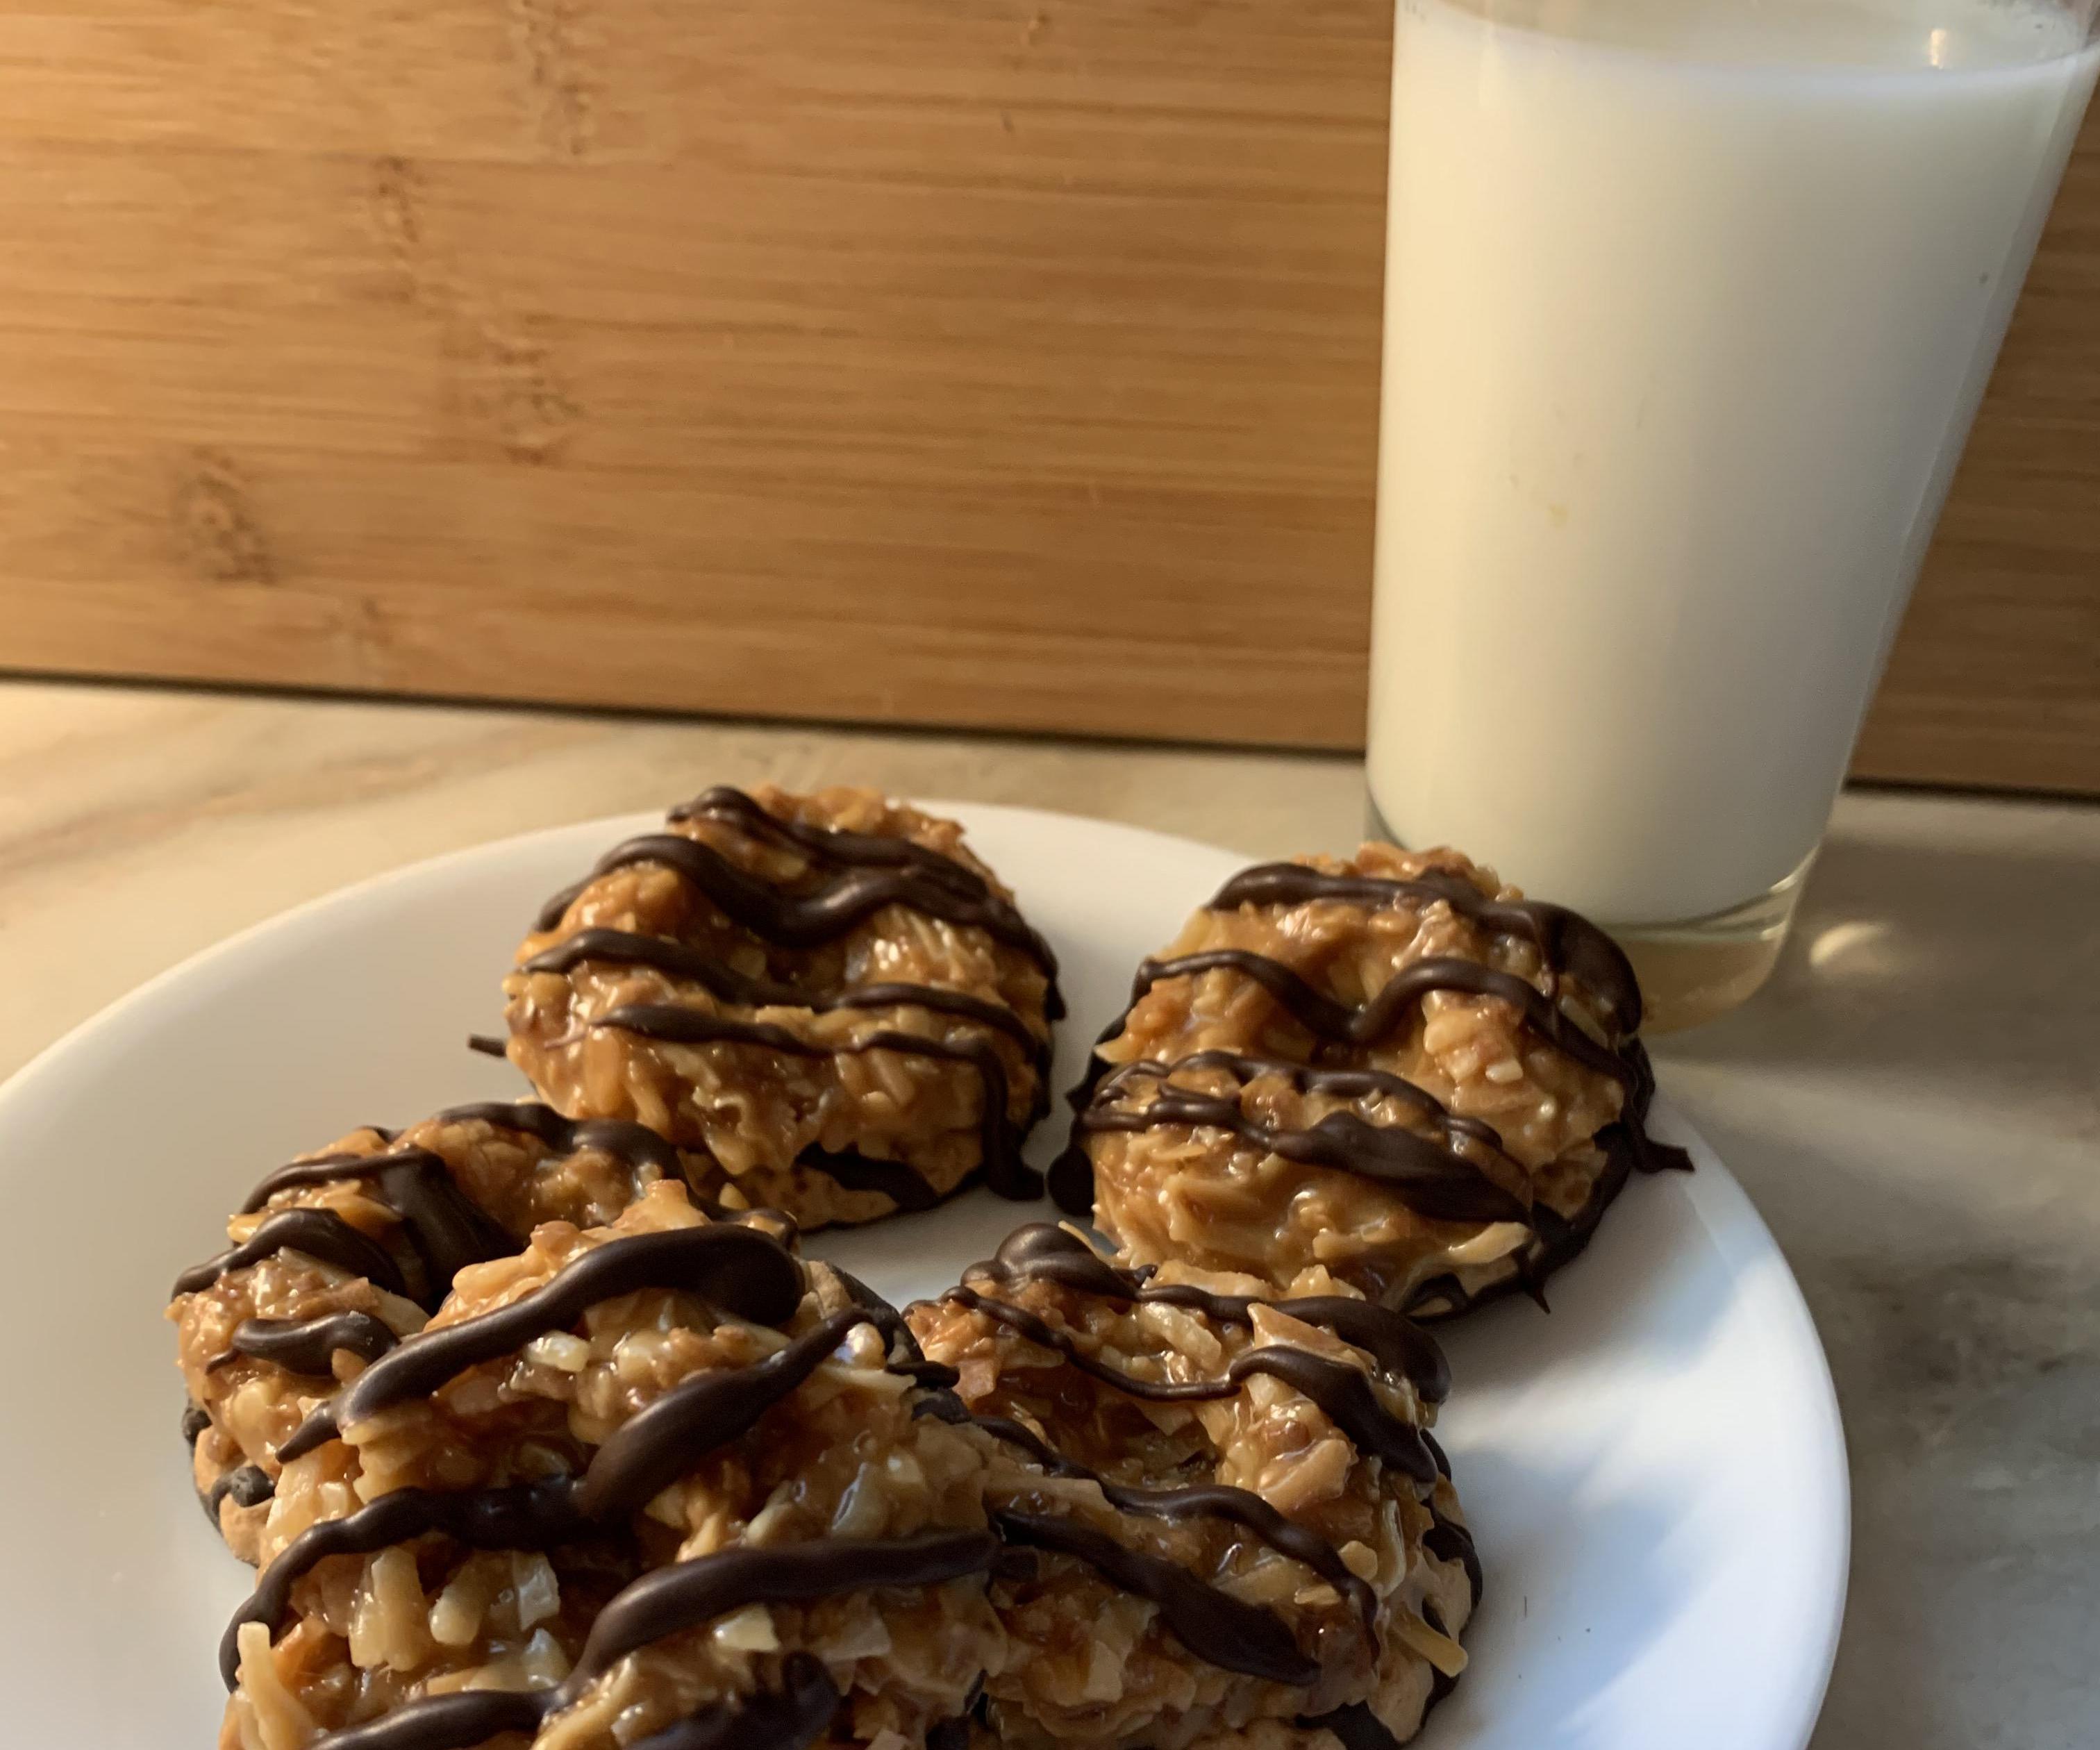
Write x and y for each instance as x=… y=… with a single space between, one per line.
x=1686 y=321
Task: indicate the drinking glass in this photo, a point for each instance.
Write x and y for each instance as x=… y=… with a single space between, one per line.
x=1689 y=304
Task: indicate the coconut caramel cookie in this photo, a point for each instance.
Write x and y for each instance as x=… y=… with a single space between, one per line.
x=1246 y=1537
x=336 y=1256
x=658 y=1483
x=1393 y=1070
x=828 y=996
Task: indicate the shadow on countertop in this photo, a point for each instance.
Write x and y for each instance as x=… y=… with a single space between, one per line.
x=1981 y=965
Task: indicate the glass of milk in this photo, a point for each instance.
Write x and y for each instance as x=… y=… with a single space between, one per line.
x=1689 y=304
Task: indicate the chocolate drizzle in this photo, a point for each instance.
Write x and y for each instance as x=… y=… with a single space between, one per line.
x=666 y=954
x=852 y=1170
x=1042 y=1251
x=701 y=1415
x=1005 y=1171
x=1377 y=1020
x=1356 y=1725
x=862 y=873
x=739 y=1269
x=791 y=1720
x=1240 y=1506
x=307 y=1346
x=445 y=1229
x=321 y=1235
x=634 y=1146
x=1214 y=1625
x=1342 y=1392
x=827 y=844
x=667 y=1601
x=1566 y=941
x=672 y=1599
x=533 y=1516
x=245 y=1485
x=1445 y=1180
x=445 y=1722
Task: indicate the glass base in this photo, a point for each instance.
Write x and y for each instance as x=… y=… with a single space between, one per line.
x=1697 y=969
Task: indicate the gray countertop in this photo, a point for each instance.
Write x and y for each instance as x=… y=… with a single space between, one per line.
x=1914 y=1102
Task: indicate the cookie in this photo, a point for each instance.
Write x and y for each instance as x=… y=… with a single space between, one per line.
x=1393 y=1070
x=656 y=1483
x=1246 y=1537
x=828 y=996
x=338 y=1256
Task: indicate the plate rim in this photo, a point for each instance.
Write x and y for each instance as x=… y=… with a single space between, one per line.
x=1723 y=1205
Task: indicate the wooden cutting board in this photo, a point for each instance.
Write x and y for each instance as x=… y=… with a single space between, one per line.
x=985 y=363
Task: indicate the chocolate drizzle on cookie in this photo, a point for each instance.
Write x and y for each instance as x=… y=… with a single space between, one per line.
x=1005 y=1171
x=858 y=874
x=321 y=1235
x=1566 y=941
x=529 y=1516
x=669 y=1600
x=739 y=1269
x=1441 y=1166
x=791 y=1720
x=668 y=955
x=851 y=1170
x=1215 y=1627
x=1240 y=1506
x=1459 y=1173
x=1043 y=1251
x=663 y=1603
x=1355 y=1726
x=245 y=1485
x=704 y=1414
x=749 y=1275
x=307 y=1346
x=1342 y=1392
x=851 y=876
x=1213 y=1624
x=445 y=1229
x=1377 y=1020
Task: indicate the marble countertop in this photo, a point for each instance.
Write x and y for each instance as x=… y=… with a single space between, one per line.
x=1914 y=1102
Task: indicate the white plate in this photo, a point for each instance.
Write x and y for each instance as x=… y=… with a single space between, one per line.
x=1655 y=1472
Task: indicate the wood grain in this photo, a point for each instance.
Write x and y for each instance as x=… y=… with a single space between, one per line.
x=1007 y=365
x=1995 y=679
